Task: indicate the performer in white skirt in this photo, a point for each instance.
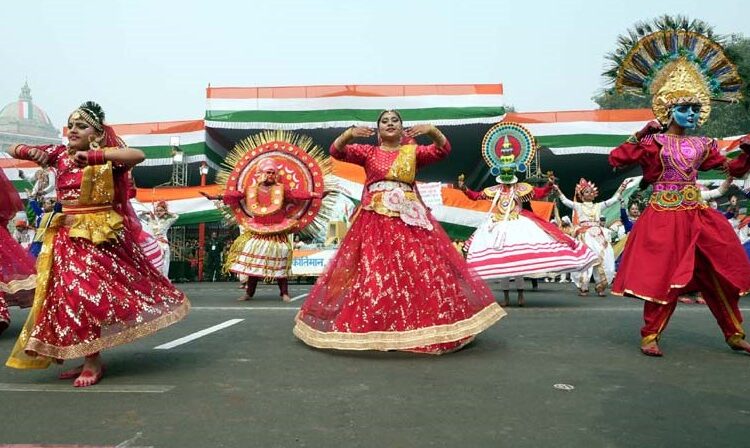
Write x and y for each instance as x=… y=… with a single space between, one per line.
x=513 y=242
x=591 y=232
x=158 y=224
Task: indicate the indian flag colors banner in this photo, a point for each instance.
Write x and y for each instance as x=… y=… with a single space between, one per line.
x=311 y=107
x=158 y=139
x=582 y=132
x=458 y=215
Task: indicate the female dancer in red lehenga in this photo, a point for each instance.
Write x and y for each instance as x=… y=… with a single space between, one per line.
x=95 y=288
x=680 y=244
x=396 y=282
x=17 y=274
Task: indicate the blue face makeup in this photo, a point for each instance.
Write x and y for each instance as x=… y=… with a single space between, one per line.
x=687 y=115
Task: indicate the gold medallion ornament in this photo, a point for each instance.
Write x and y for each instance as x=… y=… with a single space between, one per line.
x=301 y=167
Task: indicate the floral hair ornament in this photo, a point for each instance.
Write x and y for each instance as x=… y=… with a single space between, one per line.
x=584 y=185
x=508 y=148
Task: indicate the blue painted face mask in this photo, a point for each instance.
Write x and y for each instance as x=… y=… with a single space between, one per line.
x=687 y=116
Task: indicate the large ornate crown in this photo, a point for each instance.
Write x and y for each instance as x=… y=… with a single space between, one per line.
x=676 y=61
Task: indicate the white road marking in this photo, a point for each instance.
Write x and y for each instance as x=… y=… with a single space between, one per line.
x=294 y=299
x=198 y=334
x=123 y=389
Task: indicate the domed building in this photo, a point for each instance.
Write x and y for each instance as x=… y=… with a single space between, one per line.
x=23 y=121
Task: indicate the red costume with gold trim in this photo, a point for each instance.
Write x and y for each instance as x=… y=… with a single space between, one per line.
x=396 y=282
x=95 y=288
x=689 y=246
x=17 y=273
x=680 y=244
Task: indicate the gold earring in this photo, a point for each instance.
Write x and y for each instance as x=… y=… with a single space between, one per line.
x=93 y=144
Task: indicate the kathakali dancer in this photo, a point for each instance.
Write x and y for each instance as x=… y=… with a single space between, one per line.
x=513 y=242
x=17 y=273
x=275 y=188
x=396 y=282
x=95 y=289
x=680 y=244
x=591 y=231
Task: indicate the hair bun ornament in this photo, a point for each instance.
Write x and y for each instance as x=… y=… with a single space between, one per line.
x=95 y=109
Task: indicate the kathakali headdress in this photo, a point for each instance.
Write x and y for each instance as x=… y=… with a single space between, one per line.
x=676 y=61
x=508 y=148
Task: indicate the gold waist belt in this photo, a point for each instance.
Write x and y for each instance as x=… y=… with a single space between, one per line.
x=685 y=198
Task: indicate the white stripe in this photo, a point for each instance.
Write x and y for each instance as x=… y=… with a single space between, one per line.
x=198 y=334
x=186 y=138
x=603 y=150
x=353 y=102
x=585 y=127
x=344 y=124
x=167 y=161
x=294 y=299
x=124 y=389
x=180 y=206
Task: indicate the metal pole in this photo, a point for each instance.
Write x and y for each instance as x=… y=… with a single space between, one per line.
x=201 y=229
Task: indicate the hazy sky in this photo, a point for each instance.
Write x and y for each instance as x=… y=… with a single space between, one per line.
x=149 y=60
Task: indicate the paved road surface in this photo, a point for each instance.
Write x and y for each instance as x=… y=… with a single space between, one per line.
x=564 y=371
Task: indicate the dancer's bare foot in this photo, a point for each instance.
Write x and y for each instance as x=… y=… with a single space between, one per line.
x=741 y=345
x=651 y=349
x=699 y=300
x=583 y=292
x=286 y=298
x=244 y=298
x=92 y=372
x=685 y=299
x=70 y=373
x=242 y=286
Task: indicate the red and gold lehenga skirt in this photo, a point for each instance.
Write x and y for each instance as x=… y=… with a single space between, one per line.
x=95 y=290
x=393 y=286
x=17 y=276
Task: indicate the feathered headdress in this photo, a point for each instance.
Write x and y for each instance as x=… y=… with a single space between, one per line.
x=676 y=61
x=584 y=185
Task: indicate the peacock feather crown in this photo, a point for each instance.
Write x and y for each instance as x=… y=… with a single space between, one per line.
x=676 y=61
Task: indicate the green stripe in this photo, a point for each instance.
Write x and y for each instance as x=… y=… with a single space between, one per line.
x=187 y=219
x=22 y=185
x=712 y=175
x=318 y=116
x=160 y=152
x=457 y=231
x=576 y=140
